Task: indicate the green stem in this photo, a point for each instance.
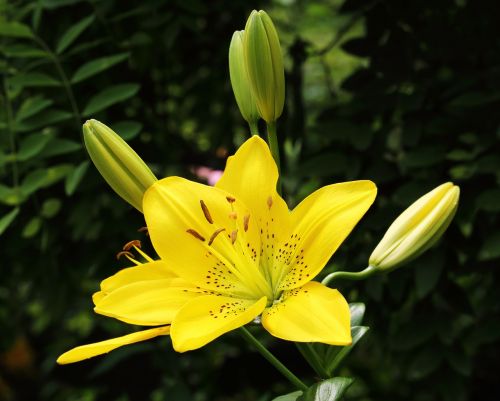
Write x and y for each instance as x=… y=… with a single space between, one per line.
x=370 y=270
x=64 y=80
x=272 y=139
x=312 y=357
x=254 y=127
x=272 y=359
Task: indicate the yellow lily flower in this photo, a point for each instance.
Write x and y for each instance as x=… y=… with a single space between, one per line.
x=233 y=254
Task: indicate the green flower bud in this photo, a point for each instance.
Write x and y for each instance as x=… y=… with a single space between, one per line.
x=417 y=228
x=239 y=80
x=264 y=64
x=117 y=162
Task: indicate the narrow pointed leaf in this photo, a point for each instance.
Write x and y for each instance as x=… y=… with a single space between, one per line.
x=34 y=79
x=72 y=33
x=357 y=310
x=328 y=390
x=333 y=359
x=96 y=66
x=110 y=96
x=289 y=397
x=74 y=178
x=31 y=106
x=15 y=30
x=7 y=219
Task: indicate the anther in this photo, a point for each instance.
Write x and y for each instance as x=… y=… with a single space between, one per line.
x=215 y=234
x=233 y=215
x=230 y=199
x=233 y=236
x=143 y=230
x=246 y=219
x=269 y=202
x=195 y=234
x=131 y=244
x=124 y=253
x=206 y=212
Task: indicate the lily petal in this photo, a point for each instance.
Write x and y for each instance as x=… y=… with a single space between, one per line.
x=251 y=174
x=156 y=270
x=90 y=350
x=320 y=223
x=206 y=318
x=312 y=313
x=146 y=303
x=206 y=235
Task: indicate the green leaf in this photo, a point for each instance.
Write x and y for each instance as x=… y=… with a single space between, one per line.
x=7 y=219
x=289 y=397
x=74 y=178
x=33 y=79
x=15 y=30
x=50 y=208
x=43 y=178
x=32 y=228
x=110 y=96
x=96 y=66
x=127 y=129
x=328 y=390
x=357 y=310
x=31 y=106
x=490 y=248
x=11 y=196
x=336 y=355
x=32 y=146
x=72 y=33
x=19 y=50
x=60 y=147
x=44 y=120
x=53 y=4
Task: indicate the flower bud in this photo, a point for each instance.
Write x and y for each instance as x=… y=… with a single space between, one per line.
x=239 y=80
x=117 y=162
x=264 y=64
x=417 y=228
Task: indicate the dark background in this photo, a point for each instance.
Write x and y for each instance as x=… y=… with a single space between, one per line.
x=404 y=93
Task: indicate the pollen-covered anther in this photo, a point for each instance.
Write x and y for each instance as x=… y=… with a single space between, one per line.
x=214 y=235
x=233 y=215
x=230 y=199
x=124 y=253
x=131 y=244
x=234 y=234
x=269 y=202
x=204 y=208
x=195 y=234
x=144 y=230
x=246 y=219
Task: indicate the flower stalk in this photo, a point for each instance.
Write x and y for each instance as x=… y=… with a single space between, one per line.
x=272 y=359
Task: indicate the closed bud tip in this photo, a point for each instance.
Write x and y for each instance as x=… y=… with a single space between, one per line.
x=264 y=64
x=117 y=162
x=417 y=228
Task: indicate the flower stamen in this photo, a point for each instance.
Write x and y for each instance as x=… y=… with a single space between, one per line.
x=214 y=235
x=132 y=244
x=196 y=234
x=234 y=234
x=204 y=208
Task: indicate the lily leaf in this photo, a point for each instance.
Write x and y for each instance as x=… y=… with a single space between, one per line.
x=72 y=33
x=7 y=220
x=289 y=397
x=337 y=354
x=328 y=390
x=110 y=96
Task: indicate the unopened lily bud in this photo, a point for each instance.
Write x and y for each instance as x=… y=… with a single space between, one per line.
x=239 y=80
x=264 y=64
x=417 y=228
x=117 y=162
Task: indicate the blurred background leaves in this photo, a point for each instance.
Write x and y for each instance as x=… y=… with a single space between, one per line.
x=403 y=93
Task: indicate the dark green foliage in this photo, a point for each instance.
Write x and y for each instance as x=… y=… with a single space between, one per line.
x=403 y=93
